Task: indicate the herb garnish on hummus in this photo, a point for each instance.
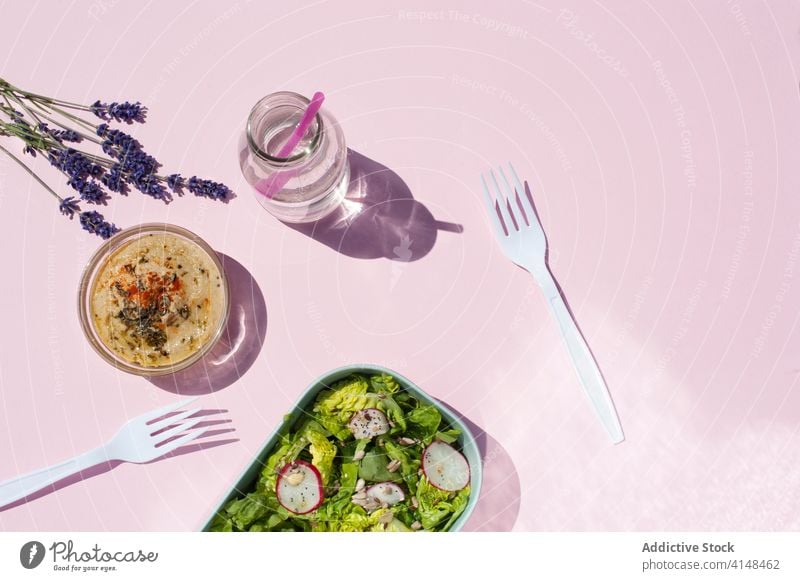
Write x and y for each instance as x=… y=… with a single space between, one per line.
x=157 y=300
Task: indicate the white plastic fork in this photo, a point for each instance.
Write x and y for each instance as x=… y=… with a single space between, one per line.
x=523 y=241
x=136 y=442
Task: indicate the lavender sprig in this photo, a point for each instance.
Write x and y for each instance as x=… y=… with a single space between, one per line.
x=69 y=206
x=134 y=165
x=90 y=221
x=207 y=188
x=94 y=223
x=82 y=174
x=125 y=164
x=199 y=187
x=61 y=135
x=121 y=112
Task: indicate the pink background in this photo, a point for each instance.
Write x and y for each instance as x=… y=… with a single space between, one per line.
x=660 y=140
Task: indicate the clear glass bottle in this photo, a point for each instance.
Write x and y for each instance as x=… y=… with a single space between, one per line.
x=316 y=173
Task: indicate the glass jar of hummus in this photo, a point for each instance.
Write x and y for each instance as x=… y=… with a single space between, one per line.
x=153 y=299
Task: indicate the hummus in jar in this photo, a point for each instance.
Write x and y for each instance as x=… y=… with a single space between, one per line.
x=157 y=300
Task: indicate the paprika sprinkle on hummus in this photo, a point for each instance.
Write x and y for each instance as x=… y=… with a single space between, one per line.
x=157 y=300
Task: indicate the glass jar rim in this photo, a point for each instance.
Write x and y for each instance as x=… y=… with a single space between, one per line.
x=256 y=148
x=88 y=279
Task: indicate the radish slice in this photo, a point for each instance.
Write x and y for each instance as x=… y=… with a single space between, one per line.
x=386 y=493
x=368 y=423
x=299 y=487
x=445 y=467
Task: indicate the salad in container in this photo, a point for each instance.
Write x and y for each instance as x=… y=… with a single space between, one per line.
x=363 y=450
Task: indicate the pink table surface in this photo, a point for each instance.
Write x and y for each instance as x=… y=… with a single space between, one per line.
x=660 y=140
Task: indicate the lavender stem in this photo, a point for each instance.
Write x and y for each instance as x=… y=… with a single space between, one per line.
x=30 y=171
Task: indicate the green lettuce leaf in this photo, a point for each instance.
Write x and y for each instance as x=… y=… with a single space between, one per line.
x=334 y=426
x=245 y=511
x=459 y=503
x=322 y=451
x=372 y=467
x=344 y=398
x=348 y=477
x=221 y=523
x=409 y=462
x=386 y=387
x=357 y=520
x=423 y=423
x=384 y=384
x=438 y=506
x=428 y=495
x=290 y=447
x=338 y=513
x=448 y=436
x=395 y=526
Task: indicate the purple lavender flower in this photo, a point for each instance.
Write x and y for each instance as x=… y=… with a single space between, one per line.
x=117 y=138
x=119 y=144
x=137 y=163
x=81 y=172
x=140 y=170
x=94 y=223
x=114 y=180
x=68 y=135
x=134 y=165
x=29 y=150
x=89 y=190
x=149 y=184
x=176 y=182
x=208 y=189
x=69 y=206
x=122 y=112
x=16 y=116
x=74 y=163
x=60 y=135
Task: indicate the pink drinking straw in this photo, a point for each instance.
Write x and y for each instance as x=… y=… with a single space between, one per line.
x=274 y=183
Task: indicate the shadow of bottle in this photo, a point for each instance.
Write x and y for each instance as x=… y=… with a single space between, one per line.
x=239 y=345
x=378 y=218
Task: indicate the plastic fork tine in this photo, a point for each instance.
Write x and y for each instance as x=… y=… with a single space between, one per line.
x=155 y=414
x=168 y=433
x=180 y=441
x=502 y=203
x=509 y=192
x=494 y=218
x=176 y=419
x=523 y=196
x=517 y=181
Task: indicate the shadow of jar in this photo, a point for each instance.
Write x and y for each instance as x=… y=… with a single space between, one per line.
x=237 y=348
x=378 y=218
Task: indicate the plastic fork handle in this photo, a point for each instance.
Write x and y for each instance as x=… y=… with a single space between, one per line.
x=585 y=365
x=20 y=487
